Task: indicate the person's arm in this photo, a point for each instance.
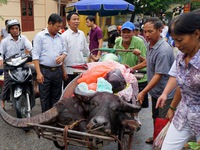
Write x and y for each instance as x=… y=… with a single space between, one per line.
x=96 y=58
x=140 y=65
x=36 y=52
x=171 y=84
x=142 y=60
x=65 y=76
x=153 y=82
x=141 y=56
x=100 y=41
x=60 y=58
x=40 y=77
x=1 y=38
x=174 y=104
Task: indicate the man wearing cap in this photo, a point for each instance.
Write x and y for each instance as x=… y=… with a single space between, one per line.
x=131 y=42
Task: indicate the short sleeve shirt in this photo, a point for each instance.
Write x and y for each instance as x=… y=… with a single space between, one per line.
x=159 y=60
x=10 y=47
x=95 y=35
x=173 y=70
x=188 y=79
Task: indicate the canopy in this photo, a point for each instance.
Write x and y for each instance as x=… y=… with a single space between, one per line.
x=103 y=7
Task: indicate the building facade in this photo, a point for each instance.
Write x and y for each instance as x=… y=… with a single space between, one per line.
x=32 y=14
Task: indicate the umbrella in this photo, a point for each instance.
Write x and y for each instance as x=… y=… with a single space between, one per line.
x=103 y=7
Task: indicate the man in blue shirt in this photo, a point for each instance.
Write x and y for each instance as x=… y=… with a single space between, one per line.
x=159 y=60
x=48 y=54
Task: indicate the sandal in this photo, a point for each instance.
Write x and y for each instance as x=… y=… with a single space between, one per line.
x=149 y=140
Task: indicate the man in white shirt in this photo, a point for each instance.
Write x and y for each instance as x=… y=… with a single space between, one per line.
x=76 y=45
x=164 y=30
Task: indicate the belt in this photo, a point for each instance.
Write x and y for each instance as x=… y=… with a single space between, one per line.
x=50 y=68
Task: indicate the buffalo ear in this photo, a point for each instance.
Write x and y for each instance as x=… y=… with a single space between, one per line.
x=128 y=107
x=83 y=96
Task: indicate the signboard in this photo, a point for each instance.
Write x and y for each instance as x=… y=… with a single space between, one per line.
x=186 y=8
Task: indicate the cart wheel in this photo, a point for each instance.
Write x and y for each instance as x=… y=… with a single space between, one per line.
x=59 y=145
x=126 y=139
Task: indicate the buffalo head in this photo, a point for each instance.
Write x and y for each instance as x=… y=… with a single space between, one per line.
x=106 y=112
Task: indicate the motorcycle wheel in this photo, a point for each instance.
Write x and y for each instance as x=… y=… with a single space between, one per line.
x=22 y=107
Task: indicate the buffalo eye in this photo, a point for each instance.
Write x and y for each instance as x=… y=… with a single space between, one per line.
x=94 y=104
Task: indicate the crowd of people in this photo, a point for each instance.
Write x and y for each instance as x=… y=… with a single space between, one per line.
x=172 y=81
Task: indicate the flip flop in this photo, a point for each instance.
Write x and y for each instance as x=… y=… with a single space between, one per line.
x=149 y=140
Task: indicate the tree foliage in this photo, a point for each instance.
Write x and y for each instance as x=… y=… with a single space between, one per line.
x=3 y=2
x=152 y=7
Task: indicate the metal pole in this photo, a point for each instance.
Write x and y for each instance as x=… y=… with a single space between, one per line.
x=59 y=7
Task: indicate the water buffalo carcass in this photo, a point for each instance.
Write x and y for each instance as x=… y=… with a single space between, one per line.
x=104 y=112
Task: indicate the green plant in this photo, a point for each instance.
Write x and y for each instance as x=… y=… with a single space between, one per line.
x=1 y=3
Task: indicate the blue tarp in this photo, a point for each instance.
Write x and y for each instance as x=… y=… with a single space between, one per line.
x=103 y=7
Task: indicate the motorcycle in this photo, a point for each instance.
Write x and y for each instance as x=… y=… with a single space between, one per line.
x=21 y=87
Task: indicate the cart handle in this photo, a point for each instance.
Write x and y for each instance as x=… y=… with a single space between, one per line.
x=110 y=50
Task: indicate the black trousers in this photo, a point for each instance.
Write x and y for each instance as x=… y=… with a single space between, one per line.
x=51 y=89
x=145 y=103
x=160 y=112
x=5 y=95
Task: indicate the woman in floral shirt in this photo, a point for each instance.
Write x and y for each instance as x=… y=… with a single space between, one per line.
x=185 y=30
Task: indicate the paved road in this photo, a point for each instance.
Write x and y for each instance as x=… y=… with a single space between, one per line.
x=16 y=139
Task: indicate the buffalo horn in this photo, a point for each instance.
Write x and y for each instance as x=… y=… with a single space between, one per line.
x=128 y=107
x=23 y=122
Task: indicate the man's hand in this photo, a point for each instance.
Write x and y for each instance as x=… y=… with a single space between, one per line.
x=60 y=58
x=136 y=52
x=140 y=97
x=161 y=101
x=94 y=58
x=65 y=76
x=40 y=78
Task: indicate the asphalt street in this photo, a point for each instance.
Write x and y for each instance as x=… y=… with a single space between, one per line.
x=16 y=139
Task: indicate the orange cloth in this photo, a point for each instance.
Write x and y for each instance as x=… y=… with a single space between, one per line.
x=90 y=76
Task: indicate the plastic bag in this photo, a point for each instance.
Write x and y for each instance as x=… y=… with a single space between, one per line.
x=116 y=79
x=159 y=124
x=157 y=144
